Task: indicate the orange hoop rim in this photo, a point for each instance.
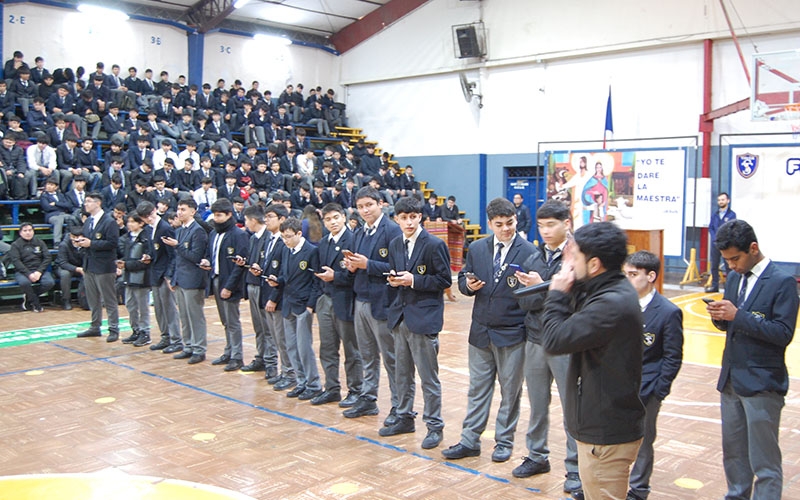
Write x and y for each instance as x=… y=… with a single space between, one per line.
x=792 y=108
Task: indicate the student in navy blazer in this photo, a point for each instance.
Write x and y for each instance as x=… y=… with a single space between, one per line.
x=759 y=314
x=335 y=311
x=421 y=266
x=161 y=258
x=225 y=243
x=369 y=262
x=300 y=290
x=270 y=298
x=661 y=358
x=100 y=241
x=497 y=333
x=189 y=281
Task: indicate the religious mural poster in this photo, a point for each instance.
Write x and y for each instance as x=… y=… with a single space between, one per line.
x=635 y=189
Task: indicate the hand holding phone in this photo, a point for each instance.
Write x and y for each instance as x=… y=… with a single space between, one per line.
x=707 y=300
x=515 y=267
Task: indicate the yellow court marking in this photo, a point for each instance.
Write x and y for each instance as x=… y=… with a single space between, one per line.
x=703 y=343
x=34 y=372
x=103 y=485
x=204 y=436
x=106 y=400
x=344 y=488
x=488 y=434
x=688 y=483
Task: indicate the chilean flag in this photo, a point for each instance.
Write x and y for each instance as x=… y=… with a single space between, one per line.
x=608 y=134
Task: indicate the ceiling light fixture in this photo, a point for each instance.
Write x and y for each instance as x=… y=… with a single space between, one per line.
x=102 y=12
x=272 y=39
x=238 y=4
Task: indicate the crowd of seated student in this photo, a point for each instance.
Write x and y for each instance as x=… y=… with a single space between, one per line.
x=63 y=109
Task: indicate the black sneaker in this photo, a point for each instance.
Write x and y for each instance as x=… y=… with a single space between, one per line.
x=142 y=341
x=362 y=408
x=530 y=468
x=131 y=339
x=162 y=344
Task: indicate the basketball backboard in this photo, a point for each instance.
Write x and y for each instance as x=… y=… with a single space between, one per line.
x=776 y=86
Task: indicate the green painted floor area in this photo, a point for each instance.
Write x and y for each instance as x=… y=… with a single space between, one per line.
x=54 y=332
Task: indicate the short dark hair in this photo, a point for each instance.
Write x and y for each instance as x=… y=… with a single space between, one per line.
x=95 y=196
x=369 y=192
x=332 y=207
x=24 y=225
x=292 y=223
x=278 y=209
x=222 y=205
x=188 y=202
x=553 y=209
x=500 y=207
x=735 y=234
x=408 y=205
x=644 y=260
x=145 y=208
x=254 y=212
x=605 y=241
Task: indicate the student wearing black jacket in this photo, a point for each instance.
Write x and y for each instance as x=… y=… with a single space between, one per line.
x=30 y=257
x=134 y=246
x=70 y=264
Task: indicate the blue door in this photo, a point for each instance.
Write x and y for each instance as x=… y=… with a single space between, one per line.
x=530 y=183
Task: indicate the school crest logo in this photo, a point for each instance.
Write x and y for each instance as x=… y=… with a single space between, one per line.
x=98 y=236
x=512 y=281
x=303 y=265
x=383 y=252
x=156 y=246
x=230 y=250
x=421 y=269
x=186 y=245
x=342 y=264
x=648 y=339
x=746 y=165
x=275 y=264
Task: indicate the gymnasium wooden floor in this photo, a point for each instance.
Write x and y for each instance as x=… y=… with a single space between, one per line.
x=84 y=406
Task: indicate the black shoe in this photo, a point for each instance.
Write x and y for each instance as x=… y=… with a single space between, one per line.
x=631 y=496
x=183 y=355
x=67 y=306
x=233 y=365
x=37 y=308
x=403 y=425
x=712 y=289
x=162 y=344
x=309 y=394
x=296 y=392
x=112 y=337
x=349 y=401
x=142 y=341
x=578 y=495
x=88 y=333
x=273 y=379
x=501 y=453
x=530 y=468
x=221 y=360
x=432 y=440
x=362 y=408
x=171 y=348
x=326 y=397
x=391 y=419
x=197 y=358
x=284 y=383
x=254 y=366
x=573 y=483
x=131 y=339
x=458 y=451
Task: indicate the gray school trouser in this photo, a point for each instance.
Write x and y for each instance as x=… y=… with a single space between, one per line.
x=138 y=306
x=229 y=316
x=299 y=347
x=166 y=311
x=333 y=332
x=414 y=350
x=540 y=370
x=486 y=364
x=279 y=336
x=101 y=290
x=375 y=342
x=643 y=467
x=193 y=320
x=265 y=344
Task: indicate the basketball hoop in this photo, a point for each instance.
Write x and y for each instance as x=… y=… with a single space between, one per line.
x=792 y=114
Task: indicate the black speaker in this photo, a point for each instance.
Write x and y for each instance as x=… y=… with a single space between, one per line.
x=467 y=39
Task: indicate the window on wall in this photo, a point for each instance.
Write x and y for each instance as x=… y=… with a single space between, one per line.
x=516 y=172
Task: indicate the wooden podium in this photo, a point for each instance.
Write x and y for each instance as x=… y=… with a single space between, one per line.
x=453 y=235
x=651 y=240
